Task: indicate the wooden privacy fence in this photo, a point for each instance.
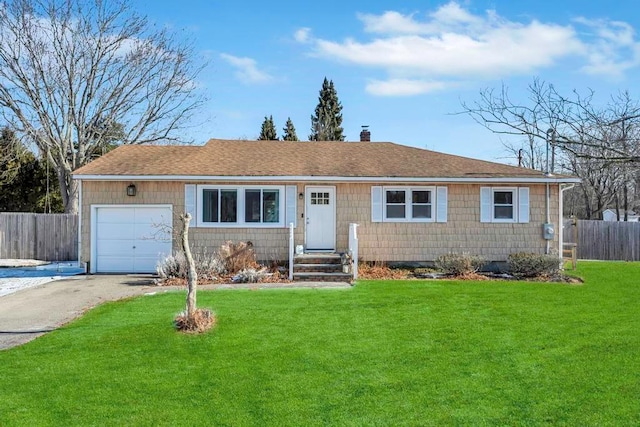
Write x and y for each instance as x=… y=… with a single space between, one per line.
x=47 y=237
x=604 y=240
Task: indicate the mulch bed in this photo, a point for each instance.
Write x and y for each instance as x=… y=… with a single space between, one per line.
x=222 y=280
x=377 y=272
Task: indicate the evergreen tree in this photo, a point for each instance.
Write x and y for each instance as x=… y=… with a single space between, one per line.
x=326 y=124
x=289 y=131
x=268 y=131
x=23 y=179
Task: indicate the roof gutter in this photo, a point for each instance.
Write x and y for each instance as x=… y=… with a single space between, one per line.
x=365 y=179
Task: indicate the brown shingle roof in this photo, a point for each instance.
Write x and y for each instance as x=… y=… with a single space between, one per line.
x=281 y=159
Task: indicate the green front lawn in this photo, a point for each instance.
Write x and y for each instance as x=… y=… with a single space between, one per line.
x=382 y=353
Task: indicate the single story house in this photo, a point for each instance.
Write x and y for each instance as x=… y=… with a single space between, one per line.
x=611 y=215
x=410 y=204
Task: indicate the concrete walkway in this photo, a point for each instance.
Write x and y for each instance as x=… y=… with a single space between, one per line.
x=32 y=312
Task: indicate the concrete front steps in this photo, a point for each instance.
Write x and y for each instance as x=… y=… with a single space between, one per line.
x=319 y=267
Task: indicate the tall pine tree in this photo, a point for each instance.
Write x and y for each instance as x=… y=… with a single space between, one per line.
x=326 y=124
x=268 y=131
x=289 y=131
x=23 y=179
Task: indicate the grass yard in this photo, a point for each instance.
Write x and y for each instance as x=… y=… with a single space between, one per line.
x=382 y=353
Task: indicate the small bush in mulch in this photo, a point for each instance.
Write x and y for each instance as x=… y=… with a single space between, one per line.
x=526 y=264
x=231 y=263
x=208 y=266
x=249 y=275
x=459 y=264
x=202 y=320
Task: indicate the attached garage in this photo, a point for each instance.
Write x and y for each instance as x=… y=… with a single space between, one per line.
x=129 y=239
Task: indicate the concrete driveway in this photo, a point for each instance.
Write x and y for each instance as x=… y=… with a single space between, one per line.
x=29 y=313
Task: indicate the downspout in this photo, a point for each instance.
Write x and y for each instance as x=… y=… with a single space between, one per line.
x=548 y=198
x=547 y=173
x=548 y=216
x=80 y=224
x=563 y=188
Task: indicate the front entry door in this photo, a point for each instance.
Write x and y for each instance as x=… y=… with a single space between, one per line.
x=320 y=218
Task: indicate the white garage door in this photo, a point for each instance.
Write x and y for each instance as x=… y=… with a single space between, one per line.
x=131 y=239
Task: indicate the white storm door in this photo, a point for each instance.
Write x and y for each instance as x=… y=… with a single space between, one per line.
x=320 y=218
x=131 y=239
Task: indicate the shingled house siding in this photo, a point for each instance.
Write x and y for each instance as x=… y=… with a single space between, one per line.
x=463 y=231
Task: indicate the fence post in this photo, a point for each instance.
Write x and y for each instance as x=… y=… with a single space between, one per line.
x=291 y=250
x=353 y=249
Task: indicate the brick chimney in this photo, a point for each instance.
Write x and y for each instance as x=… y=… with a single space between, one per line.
x=365 y=135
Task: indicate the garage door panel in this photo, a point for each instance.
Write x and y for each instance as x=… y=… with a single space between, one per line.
x=150 y=248
x=152 y=216
x=115 y=264
x=128 y=239
x=115 y=216
x=116 y=247
x=112 y=231
x=150 y=232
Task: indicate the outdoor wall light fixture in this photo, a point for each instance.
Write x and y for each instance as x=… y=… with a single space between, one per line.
x=131 y=190
x=301 y=196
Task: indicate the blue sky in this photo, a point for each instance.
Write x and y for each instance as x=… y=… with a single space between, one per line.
x=401 y=67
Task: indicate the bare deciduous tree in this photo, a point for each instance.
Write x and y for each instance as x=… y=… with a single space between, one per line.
x=599 y=145
x=573 y=122
x=192 y=275
x=73 y=70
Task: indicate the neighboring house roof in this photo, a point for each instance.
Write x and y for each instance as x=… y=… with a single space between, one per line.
x=621 y=211
x=610 y=215
x=233 y=158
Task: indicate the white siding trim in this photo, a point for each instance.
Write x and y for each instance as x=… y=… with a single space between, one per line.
x=80 y=222
x=486 y=204
x=371 y=179
x=190 y=203
x=376 y=204
x=291 y=205
x=442 y=204
x=523 y=204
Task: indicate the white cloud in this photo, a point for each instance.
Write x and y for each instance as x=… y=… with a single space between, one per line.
x=499 y=52
x=452 y=13
x=302 y=35
x=392 y=22
x=612 y=48
x=403 y=87
x=247 y=69
x=451 y=43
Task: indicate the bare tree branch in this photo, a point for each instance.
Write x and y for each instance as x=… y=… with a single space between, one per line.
x=599 y=145
x=70 y=70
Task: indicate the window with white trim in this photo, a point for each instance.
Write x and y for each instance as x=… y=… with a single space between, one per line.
x=503 y=204
x=411 y=204
x=240 y=206
x=261 y=206
x=219 y=205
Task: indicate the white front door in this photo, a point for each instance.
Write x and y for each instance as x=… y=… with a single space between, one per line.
x=320 y=218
